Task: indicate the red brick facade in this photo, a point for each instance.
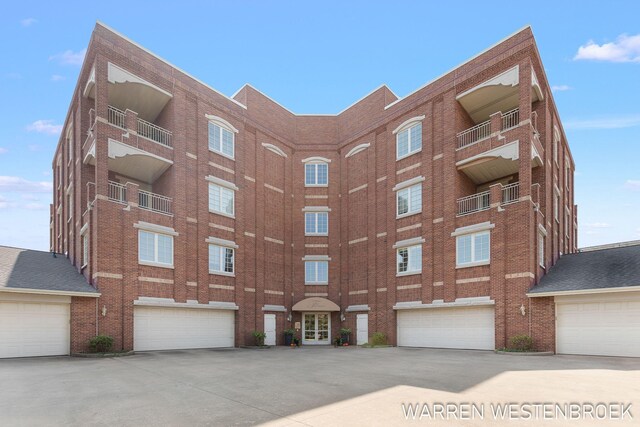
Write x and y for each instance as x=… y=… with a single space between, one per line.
x=268 y=225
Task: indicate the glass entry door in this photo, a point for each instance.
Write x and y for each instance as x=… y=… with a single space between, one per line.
x=316 y=328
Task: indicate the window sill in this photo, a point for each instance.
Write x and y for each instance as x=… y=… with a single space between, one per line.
x=473 y=264
x=223 y=155
x=222 y=214
x=408 y=155
x=155 y=264
x=222 y=273
x=405 y=215
x=316 y=283
x=316 y=234
x=83 y=267
x=316 y=185
x=408 y=273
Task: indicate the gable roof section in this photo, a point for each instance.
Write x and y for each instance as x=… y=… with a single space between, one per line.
x=25 y=270
x=610 y=269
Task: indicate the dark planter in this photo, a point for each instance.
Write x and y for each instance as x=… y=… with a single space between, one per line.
x=288 y=339
x=345 y=338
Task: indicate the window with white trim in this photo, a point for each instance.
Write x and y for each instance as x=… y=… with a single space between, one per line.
x=541 y=249
x=70 y=205
x=473 y=249
x=221 y=140
x=409 y=200
x=409 y=141
x=316 y=223
x=556 y=141
x=221 y=259
x=85 y=249
x=316 y=174
x=409 y=259
x=221 y=199
x=556 y=206
x=70 y=143
x=155 y=248
x=316 y=272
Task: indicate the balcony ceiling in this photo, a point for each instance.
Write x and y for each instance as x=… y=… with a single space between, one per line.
x=493 y=164
x=501 y=93
x=135 y=163
x=127 y=91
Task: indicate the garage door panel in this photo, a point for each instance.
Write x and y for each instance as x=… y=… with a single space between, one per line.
x=605 y=325
x=33 y=329
x=162 y=328
x=461 y=328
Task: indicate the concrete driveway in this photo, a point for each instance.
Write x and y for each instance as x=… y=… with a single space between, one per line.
x=309 y=386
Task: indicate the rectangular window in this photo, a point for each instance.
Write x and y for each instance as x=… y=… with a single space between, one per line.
x=409 y=200
x=70 y=206
x=85 y=249
x=316 y=272
x=541 y=249
x=316 y=223
x=155 y=248
x=473 y=249
x=556 y=206
x=221 y=200
x=409 y=141
x=221 y=259
x=221 y=140
x=409 y=259
x=316 y=174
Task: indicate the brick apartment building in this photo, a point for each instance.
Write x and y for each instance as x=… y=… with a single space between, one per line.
x=200 y=218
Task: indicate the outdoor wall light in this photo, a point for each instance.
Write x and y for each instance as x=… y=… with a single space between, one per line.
x=289 y=318
x=104 y=310
x=342 y=318
x=523 y=310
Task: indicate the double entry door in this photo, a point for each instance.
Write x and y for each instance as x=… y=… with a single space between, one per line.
x=317 y=327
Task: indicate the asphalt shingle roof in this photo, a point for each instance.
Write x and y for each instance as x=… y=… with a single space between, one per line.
x=615 y=267
x=29 y=269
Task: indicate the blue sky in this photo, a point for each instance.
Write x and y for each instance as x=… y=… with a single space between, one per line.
x=319 y=58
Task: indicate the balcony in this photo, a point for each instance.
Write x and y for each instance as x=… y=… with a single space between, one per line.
x=482 y=201
x=144 y=128
x=147 y=200
x=481 y=131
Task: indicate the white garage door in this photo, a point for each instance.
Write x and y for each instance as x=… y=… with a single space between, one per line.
x=162 y=328
x=33 y=328
x=465 y=328
x=601 y=324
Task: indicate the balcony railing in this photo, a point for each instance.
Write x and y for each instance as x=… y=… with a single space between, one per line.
x=154 y=133
x=154 y=202
x=511 y=193
x=474 y=203
x=116 y=117
x=511 y=119
x=117 y=192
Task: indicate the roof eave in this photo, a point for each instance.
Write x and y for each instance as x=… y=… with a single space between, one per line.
x=52 y=292
x=584 y=291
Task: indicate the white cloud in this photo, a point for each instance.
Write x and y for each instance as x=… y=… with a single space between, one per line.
x=69 y=57
x=598 y=225
x=16 y=184
x=27 y=22
x=625 y=49
x=45 y=126
x=3 y=150
x=560 y=88
x=604 y=123
x=57 y=78
x=632 y=184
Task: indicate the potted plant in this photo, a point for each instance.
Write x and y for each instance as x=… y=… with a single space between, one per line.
x=337 y=341
x=259 y=337
x=295 y=342
x=345 y=333
x=288 y=336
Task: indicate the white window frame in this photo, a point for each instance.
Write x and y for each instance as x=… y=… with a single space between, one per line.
x=556 y=142
x=315 y=166
x=156 y=262
x=315 y=282
x=411 y=210
x=409 y=249
x=474 y=262
x=224 y=126
x=407 y=128
x=556 y=205
x=315 y=214
x=222 y=188
x=223 y=250
x=541 y=250
x=69 y=138
x=85 y=249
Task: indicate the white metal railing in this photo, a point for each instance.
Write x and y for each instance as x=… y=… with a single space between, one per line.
x=474 y=203
x=154 y=202
x=117 y=192
x=511 y=119
x=116 y=117
x=154 y=132
x=510 y=193
x=474 y=134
